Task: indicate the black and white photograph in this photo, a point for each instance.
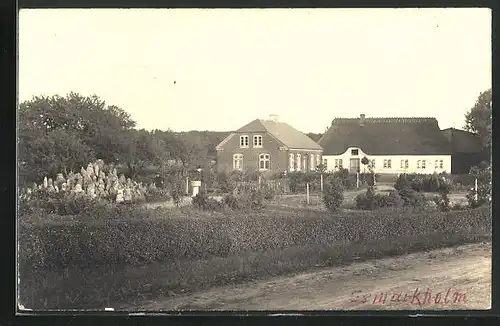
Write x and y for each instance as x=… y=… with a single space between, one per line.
x=195 y=160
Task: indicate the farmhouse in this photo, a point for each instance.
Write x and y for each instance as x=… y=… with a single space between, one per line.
x=466 y=150
x=393 y=145
x=268 y=146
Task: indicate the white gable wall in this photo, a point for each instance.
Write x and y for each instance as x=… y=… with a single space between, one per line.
x=395 y=162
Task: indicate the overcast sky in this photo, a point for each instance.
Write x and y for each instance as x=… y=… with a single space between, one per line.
x=190 y=69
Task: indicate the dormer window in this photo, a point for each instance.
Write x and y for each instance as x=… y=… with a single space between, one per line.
x=244 y=141
x=257 y=141
x=354 y=152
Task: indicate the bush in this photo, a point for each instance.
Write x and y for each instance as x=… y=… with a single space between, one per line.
x=333 y=194
x=371 y=201
x=401 y=182
x=366 y=200
x=154 y=194
x=139 y=236
x=483 y=174
x=268 y=192
x=411 y=198
x=433 y=183
x=391 y=200
x=203 y=201
x=60 y=203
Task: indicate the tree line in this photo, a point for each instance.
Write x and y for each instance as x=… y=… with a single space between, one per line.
x=62 y=134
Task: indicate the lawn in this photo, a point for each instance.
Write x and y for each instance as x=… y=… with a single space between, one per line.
x=316 y=203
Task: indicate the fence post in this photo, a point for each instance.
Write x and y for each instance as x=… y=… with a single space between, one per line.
x=357 y=179
x=475 y=189
x=321 y=183
x=187 y=184
x=307 y=192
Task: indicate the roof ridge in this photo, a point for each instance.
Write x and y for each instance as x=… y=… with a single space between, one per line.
x=386 y=119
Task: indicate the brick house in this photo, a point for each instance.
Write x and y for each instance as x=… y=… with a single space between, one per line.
x=267 y=146
x=394 y=145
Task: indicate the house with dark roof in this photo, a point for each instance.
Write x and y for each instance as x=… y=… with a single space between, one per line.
x=268 y=146
x=393 y=145
x=466 y=150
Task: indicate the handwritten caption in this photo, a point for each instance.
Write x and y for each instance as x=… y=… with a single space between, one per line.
x=418 y=297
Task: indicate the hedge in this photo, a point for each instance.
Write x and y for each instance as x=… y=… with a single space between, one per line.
x=164 y=235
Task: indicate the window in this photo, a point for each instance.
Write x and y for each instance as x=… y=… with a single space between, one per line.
x=243 y=141
x=264 y=161
x=388 y=164
x=354 y=152
x=373 y=163
x=257 y=141
x=325 y=162
x=238 y=162
x=440 y=164
x=423 y=164
x=436 y=164
x=404 y=164
x=292 y=163
x=338 y=164
x=419 y=164
x=298 y=162
x=312 y=160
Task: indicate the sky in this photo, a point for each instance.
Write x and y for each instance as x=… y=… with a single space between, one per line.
x=218 y=69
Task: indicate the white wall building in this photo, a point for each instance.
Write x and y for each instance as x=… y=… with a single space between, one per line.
x=393 y=145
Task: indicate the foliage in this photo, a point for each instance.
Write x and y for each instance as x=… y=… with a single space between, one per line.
x=61 y=133
x=479 y=118
x=442 y=201
x=434 y=183
x=204 y=202
x=483 y=174
x=420 y=182
x=371 y=200
x=268 y=192
x=314 y=136
x=154 y=194
x=137 y=236
x=75 y=125
x=333 y=193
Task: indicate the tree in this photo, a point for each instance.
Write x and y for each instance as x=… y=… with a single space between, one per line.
x=139 y=149
x=479 y=119
x=58 y=151
x=66 y=130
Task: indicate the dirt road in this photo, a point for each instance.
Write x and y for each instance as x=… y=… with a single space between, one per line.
x=454 y=278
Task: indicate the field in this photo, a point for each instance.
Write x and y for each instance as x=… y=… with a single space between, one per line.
x=184 y=249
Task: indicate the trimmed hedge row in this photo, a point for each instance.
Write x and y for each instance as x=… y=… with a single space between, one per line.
x=164 y=235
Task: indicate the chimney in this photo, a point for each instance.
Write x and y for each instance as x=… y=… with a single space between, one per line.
x=362 y=119
x=273 y=117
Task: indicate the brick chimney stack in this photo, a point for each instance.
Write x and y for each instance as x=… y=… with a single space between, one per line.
x=362 y=119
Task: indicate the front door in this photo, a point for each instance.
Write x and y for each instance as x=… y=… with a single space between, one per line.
x=354 y=166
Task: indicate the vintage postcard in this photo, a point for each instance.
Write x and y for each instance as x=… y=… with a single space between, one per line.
x=254 y=159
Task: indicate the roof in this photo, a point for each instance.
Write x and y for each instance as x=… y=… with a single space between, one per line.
x=463 y=141
x=386 y=136
x=289 y=136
